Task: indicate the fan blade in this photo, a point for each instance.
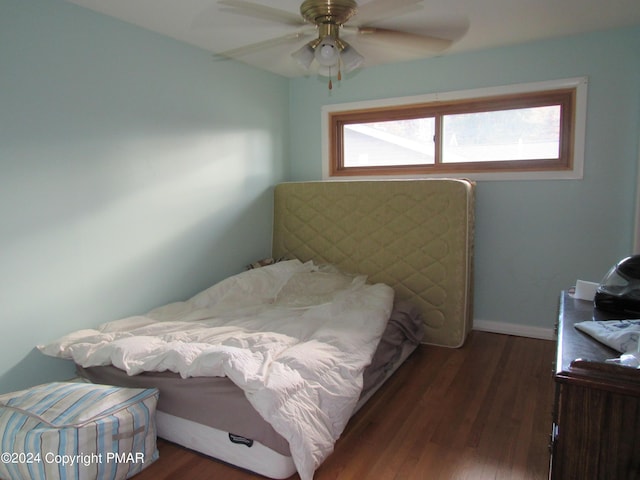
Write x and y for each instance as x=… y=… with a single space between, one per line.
x=241 y=7
x=408 y=42
x=384 y=9
x=290 y=38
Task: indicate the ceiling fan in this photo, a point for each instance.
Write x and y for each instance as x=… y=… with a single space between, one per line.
x=329 y=21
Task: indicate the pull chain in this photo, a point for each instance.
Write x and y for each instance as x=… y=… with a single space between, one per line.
x=339 y=76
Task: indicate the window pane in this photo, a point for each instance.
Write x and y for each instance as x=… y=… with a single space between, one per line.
x=519 y=134
x=394 y=143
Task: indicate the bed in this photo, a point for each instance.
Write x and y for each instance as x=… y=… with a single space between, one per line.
x=412 y=237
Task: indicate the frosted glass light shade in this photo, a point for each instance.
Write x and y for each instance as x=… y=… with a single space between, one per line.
x=304 y=56
x=350 y=59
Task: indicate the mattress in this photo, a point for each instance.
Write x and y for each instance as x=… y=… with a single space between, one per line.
x=195 y=400
x=414 y=235
x=246 y=453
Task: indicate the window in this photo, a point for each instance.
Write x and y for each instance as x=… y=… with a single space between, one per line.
x=529 y=131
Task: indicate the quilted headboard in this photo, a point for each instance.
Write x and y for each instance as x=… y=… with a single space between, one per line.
x=414 y=235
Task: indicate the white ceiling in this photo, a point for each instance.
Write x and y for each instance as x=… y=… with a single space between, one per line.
x=472 y=24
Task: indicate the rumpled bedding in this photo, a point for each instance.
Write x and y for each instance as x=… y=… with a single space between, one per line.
x=294 y=336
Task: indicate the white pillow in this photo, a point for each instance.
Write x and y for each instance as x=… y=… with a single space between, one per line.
x=306 y=289
x=255 y=286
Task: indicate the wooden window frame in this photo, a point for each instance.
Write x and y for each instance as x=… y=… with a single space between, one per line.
x=566 y=97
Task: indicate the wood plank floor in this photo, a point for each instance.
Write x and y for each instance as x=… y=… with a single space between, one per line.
x=479 y=412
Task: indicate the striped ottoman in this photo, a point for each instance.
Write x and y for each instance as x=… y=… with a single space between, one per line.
x=77 y=431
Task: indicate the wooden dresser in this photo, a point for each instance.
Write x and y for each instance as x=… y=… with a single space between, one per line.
x=596 y=415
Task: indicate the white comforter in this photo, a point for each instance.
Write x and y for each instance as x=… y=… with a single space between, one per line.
x=294 y=338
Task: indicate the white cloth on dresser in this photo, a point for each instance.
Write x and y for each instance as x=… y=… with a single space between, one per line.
x=621 y=335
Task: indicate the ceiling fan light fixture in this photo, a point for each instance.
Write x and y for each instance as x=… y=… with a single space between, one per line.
x=326 y=20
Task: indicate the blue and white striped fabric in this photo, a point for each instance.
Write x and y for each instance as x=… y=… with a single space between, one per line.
x=77 y=431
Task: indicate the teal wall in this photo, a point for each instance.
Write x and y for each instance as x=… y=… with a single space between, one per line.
x=533 y=238
x=134 y=170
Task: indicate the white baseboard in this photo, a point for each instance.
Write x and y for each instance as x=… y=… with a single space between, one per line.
x=513 y=329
